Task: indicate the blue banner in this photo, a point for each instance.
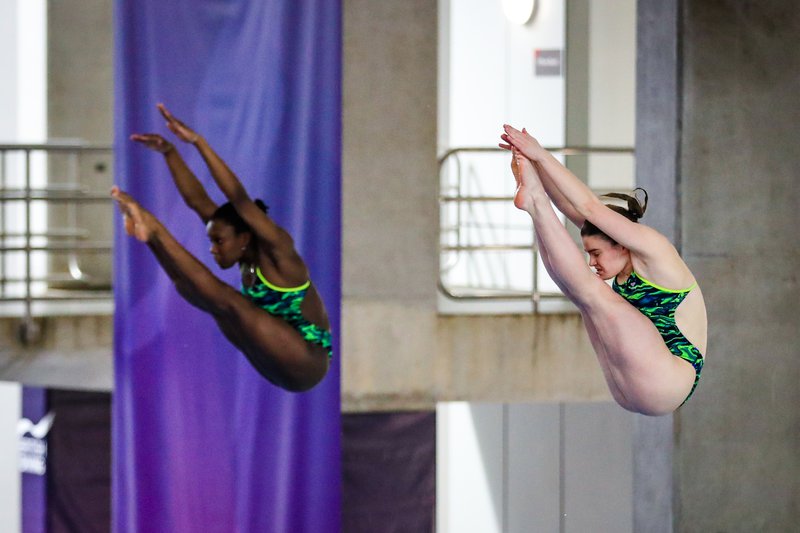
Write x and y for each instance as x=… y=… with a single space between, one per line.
x=201 y=441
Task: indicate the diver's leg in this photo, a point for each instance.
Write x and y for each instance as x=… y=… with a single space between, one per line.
x=609 y=373
x=273 y=347
x=651 y=379
x=566 y=263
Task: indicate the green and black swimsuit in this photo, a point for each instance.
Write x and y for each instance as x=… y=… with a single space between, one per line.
x=285 y=303
x=659 y=305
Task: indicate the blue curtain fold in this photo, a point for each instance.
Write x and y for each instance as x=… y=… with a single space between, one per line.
x=201 y=442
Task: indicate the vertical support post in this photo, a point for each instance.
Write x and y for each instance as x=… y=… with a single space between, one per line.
x=3 y=240
x=658 y=133
x=28 y=271
x=28 y=330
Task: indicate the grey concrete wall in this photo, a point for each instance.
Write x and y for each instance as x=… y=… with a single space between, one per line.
x=80 y=70
x=80 y=93
x=717 y=127
x=73 y=352
x=432 y=358
x=389 y=188
x=738 y=438
x=389 y=167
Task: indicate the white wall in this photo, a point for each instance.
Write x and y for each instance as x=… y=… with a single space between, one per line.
x=8 y=66
x=469 y=467
x=10 y=480
x=529 y=468
x=23 y=108
x=490 y=73
x=32 y=70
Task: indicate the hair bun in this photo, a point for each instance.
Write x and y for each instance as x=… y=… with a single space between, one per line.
x=635 y=208
x=261 y=205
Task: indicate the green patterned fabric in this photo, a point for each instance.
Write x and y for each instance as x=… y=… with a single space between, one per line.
x=659 y=305
x=286 y=304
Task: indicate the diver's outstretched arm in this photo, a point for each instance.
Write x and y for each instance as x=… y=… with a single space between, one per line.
x=190 y=188
x=262 y=225
x=226 y=180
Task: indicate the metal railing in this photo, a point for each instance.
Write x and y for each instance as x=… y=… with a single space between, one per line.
x=457 y=201
x=53 y=203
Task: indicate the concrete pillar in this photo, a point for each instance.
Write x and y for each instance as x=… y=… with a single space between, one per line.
x=658 y=108
x=390 y=214
x=738 y=438
x=717 y=127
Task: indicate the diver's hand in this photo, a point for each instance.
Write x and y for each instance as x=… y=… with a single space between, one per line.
x=154 y=141
x=522 y=141
x=181 y=130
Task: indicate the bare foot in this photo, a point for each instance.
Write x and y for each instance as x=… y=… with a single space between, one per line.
x=138 y=222
x=528 y=183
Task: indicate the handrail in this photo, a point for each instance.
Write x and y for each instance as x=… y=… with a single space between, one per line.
x=56 y=146
x=449 y=197
x=564 y=150
x=17 y=188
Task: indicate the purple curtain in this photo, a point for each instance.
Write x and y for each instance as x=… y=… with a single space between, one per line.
x=79 y=462
x=389 y=467
x=201 y=442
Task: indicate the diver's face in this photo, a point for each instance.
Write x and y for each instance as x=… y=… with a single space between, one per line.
x=606 y=258
x=227 y=246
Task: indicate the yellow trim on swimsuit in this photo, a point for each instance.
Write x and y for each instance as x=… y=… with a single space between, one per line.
x=305 y=285
x=659 y=287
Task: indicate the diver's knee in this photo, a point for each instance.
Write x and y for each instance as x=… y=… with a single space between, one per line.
x=307 y=376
